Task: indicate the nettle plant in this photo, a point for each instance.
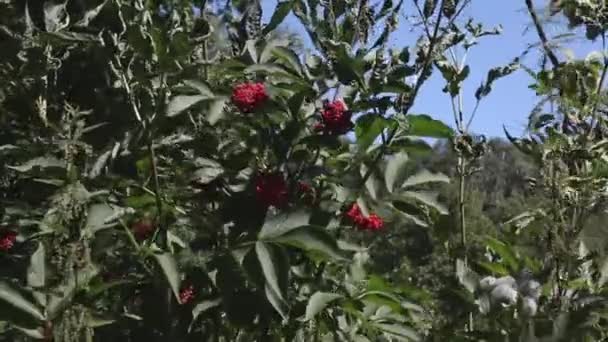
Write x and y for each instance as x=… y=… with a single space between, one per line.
x=160 y=184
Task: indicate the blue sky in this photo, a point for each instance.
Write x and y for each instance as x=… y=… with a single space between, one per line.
x=510 y=101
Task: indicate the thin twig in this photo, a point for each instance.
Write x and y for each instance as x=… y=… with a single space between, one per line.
x=542 y=35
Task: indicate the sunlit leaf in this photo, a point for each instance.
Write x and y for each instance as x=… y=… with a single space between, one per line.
x=318 y=302
x=16 y=300
x=168 y=265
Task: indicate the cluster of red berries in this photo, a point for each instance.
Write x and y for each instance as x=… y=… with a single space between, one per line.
x=248 y=97
x=335 y=118
x=186 y=295
x=271 y=188
x=372 y=222
x=143 y=229
x=7 y=240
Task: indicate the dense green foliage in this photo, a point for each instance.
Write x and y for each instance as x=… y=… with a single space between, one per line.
x=182 y=171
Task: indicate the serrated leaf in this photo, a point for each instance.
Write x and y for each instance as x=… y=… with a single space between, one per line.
x=466 y=276
x=90 y=15
x=180 y=103
x=493 y=75
x=16 y=300
x=96 y=321
x=277 y=303
x=425 y=176
x=204 y=306
x=429 y=7
x=399 y=330
x=274 y=266
x=280 y=13
x=168 y=265
x=428 y=198
x=282 y=223
x=410 y=212
x=368 y=128
x=394 y=167
x=208 y=170
x=425 y=126
x=266 y=68
x=56 y=16
x=199 y=86
x=318 y=302
x=36 y=274
x=313 y=239
x=288 y=56
x=101 y=216
x=35 y=333
x=216 y=109
x=39 y=163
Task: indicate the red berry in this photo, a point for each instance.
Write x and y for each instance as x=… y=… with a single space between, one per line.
x=336 y=118
x=7 y=241
x=248 y=97
x=373 y=222
x=271 y=189
x=186 y=295
x=143 y=229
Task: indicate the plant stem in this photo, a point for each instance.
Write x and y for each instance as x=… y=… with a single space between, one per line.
x=428 y=63
x=461 y=205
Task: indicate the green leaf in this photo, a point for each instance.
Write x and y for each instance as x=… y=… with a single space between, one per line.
x=413 y=147
x=424 y=126
x=410 y=212
x=180 y=103
x=35 y=333
x=368 y=128
x=216 y=109
x=505 y=252
x=428 y=198
x=346 y=67
x=466 y=276
x=425 y=176
x=56 y=16
x=496 y=269
x=16 y=300
x=204 y=306
x=168 y=265
x=393 y=173
x=267 y=69
x=313 y=239
x=289 y=57
x=208 y=171
x=36 y=274
x=282 y=223
x=280 y=12
x=90 y=15
x=318 y=302
x=429 y=7
x=276 y=302
x=274 y=266
x=39 y=163
x=399 y=330
x=493 y=75
x=101 y=216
